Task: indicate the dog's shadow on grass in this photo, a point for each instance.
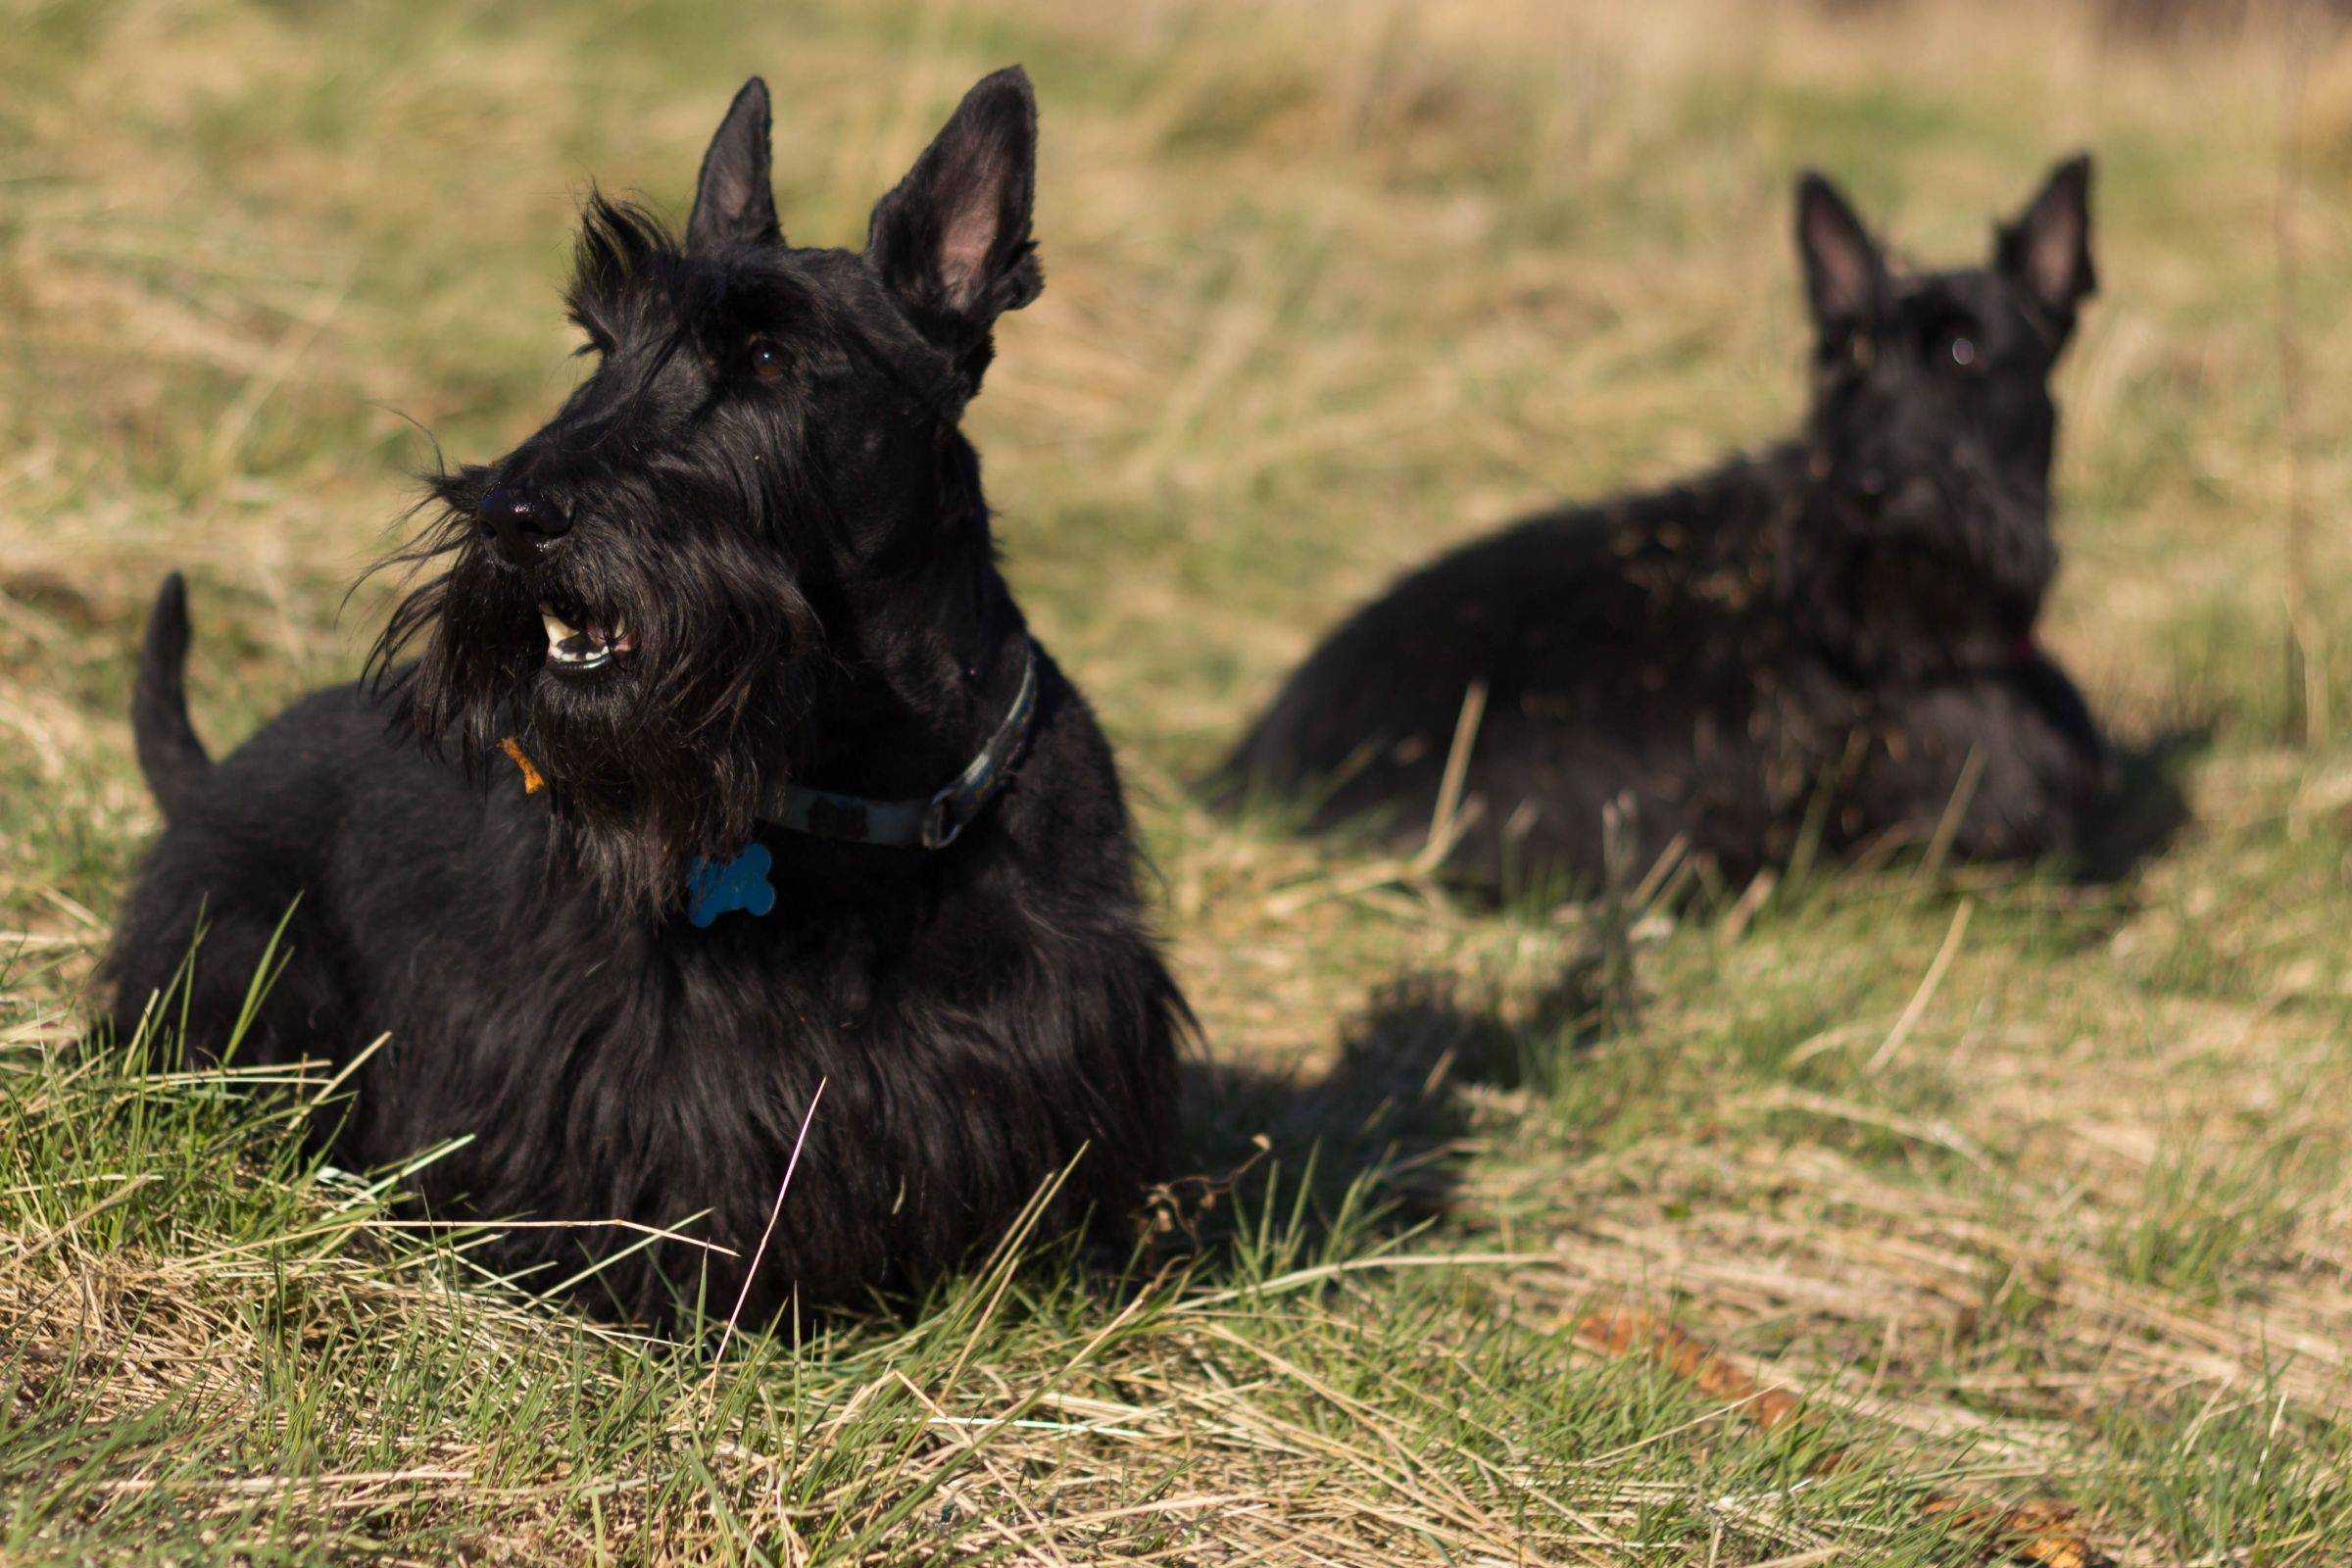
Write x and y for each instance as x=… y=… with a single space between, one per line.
x=1377 y=1140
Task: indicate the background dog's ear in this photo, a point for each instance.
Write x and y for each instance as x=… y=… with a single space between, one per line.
x=2046 y=251
x=953 y=240
x=1845 y=275
x=733 y=201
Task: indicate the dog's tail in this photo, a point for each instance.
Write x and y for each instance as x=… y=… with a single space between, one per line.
x=169 y=754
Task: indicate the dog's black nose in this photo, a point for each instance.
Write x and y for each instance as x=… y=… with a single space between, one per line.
x=521 y=524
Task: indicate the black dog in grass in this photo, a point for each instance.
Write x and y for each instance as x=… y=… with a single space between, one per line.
x=1833 y=638
x=725 y=770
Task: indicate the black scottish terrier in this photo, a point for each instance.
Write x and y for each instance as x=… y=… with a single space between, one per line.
x=724 y=768
x=1831 y=641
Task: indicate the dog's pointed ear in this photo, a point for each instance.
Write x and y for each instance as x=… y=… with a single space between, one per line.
x=733 y=202
x=953 y=240
x=1845 y=273
x=2046 y=250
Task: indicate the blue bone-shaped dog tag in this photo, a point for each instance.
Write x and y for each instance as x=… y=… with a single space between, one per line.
x=713 y=889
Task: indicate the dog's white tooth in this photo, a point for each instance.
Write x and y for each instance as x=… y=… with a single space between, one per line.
x=558 y=631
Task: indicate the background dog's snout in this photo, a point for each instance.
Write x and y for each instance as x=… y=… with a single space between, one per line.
x=519 y=522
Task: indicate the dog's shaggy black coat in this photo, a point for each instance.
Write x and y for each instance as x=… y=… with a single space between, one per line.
x=760 y=506
x=1821 y=636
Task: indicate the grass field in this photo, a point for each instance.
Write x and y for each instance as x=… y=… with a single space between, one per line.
x=2033 y=1191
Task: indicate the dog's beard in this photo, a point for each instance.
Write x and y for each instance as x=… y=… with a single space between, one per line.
x=639 y=786
x=1990 y=522
x=2009 y=521
x=658 y=757
x=1937 y=564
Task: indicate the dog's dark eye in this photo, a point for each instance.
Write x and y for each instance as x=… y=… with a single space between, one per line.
x=766 y=358
x=1952 y=343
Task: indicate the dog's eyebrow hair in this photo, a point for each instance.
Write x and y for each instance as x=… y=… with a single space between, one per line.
x=606 y=422
x=843 y=328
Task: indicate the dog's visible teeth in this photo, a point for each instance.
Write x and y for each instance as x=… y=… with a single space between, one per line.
x=582 y=647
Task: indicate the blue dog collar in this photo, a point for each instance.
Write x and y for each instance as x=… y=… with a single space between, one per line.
x=720 y=887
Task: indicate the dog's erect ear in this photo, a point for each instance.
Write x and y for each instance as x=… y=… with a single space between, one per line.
x=953 y=240
x=1845 y=275
x=2046 y=251
x=733 y=202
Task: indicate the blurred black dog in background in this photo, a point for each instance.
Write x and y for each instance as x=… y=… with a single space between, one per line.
x=1836 y=636
x=725 y=769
